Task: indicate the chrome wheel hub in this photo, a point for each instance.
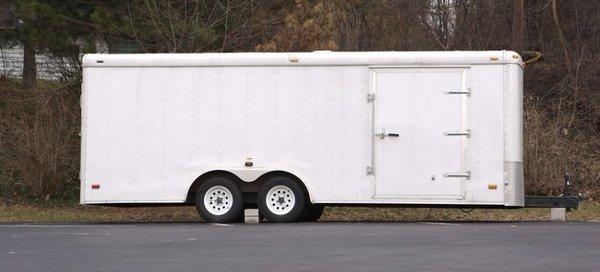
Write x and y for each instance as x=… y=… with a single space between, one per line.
x=280 y=200
x=218 y=200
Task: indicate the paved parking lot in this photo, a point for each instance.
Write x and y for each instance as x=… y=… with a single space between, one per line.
x=322 y=246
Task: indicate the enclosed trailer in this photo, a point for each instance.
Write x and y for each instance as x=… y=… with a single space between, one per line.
x=290 y=132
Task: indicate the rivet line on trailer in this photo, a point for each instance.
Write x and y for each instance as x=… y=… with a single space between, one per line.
x=276 y=119
x=332 y=127
x=247 y=115
x=220 y=115
x=304 y=116
x=107 y=126
x=164 y=128
x=137 y=129
x=359 y=173
x=192 y=119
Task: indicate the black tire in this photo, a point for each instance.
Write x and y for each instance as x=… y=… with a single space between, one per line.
x=293 y=212
x=312 y=213
x=236 y=209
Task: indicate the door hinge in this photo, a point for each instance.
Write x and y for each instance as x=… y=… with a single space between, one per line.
x=370 y=97
x=458 y=133
x=466 y=91
x=370 y=171
x=466 y=175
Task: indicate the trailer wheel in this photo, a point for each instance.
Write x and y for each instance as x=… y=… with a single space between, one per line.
x=281 y=199
x=312 y=213
x=219 y=200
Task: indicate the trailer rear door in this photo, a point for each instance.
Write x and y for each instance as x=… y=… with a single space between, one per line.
x=420 y=132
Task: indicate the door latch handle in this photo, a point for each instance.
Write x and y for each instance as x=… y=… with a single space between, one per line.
x=382 y=135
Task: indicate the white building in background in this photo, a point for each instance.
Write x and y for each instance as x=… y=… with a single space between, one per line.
x=11 y=54
x=48 y=67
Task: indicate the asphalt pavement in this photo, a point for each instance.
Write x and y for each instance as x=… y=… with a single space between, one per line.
x=321 y=246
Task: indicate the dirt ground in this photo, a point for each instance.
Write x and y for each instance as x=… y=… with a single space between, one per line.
x=27 y=213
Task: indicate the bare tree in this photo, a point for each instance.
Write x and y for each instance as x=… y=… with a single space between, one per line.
x=518 y=25
x=189 y=26
x=441 y=20
x=561 y=37
x=29 y=66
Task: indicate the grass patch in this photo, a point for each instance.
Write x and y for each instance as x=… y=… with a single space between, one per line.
x=588 y=211
x=24 y=213
x=27 y=213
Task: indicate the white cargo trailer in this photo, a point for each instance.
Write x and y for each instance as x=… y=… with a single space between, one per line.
x=290 y=132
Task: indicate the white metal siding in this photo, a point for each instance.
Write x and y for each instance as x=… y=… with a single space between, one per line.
x=153 y=123
x=513 y=135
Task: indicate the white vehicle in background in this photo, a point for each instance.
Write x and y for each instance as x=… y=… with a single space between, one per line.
x=291 y=132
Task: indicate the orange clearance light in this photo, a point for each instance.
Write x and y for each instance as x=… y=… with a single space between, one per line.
x=492 y=186
x=95 y=186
